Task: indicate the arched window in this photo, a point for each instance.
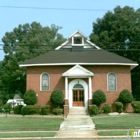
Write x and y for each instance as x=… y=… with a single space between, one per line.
x=78 y=86
x=112 y=81
x=45 y=81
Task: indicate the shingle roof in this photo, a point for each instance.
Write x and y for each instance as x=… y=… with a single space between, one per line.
x=85 y=57
x=17 y=96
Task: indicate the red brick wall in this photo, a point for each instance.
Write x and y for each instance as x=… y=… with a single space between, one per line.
x=99 y=80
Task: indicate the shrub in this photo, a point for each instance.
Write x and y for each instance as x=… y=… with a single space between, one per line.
x=57 y=97
x=17 y=109
x=7 y=108
x=31 y=110
x=94 y=110
x=45 y=110
x=57 y=111
x=106 y=108
x=30 y=97
x=125 y=97
x=119 y=107
x=136 y=106
x=98 y=97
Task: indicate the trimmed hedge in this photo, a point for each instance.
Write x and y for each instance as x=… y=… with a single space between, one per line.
x=57 y=97
x=57 y=111
x=31 y=110
x=98 y=97
x=17 y=109
x=119 y=107
x=94 y=110
x=136 y=106
x=106 y=108
x=125 y=96
x=30 y=97
x=45 y=110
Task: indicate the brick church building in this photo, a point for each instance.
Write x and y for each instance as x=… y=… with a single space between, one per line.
x=79 y=68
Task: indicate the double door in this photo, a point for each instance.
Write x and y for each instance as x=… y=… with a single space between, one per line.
x=78 y=97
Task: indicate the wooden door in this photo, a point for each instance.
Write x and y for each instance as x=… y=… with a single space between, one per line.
x=78 y=97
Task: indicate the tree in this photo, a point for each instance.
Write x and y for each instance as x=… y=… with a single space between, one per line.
x=98 y=97
x=57 y=97
x=119 y=32
x=25 y=42
x=30 y=97
x=125 y=97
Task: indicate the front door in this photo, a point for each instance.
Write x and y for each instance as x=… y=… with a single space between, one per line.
x=78 y=97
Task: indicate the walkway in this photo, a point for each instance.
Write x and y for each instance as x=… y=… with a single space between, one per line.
x=78 y=124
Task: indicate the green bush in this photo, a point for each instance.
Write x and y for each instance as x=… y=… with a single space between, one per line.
x=57 y=111
x=98 y=97
x=45 y=110
x=94 y=110
x=2 y=110
x=7 y=107
x=31 y=110
x=17 y=109
x=119 y=107
x=125 y=96
x=57 y=97
x=136 y=106
x=106 y=108
x=30 y=97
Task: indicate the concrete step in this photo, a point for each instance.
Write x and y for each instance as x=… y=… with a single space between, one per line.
x=78 y=124
x=78 y=110
x=76 y=134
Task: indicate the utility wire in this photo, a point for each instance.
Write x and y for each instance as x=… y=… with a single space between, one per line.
x=47 y=8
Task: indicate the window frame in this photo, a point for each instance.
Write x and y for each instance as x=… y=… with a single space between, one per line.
x=42 y=80
x=115 y=81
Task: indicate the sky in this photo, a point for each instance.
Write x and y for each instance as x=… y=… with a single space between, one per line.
x=71 y=15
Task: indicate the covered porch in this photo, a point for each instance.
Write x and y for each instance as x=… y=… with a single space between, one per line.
x=78 y=88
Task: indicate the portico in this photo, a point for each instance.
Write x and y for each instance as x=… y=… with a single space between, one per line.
x=79 y=90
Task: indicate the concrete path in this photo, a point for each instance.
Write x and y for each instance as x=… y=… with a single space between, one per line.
x=78 y=124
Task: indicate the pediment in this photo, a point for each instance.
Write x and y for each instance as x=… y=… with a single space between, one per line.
x=77 y=71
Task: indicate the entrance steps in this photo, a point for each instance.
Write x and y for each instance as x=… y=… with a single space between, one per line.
x=78 y=124
x=78 y=111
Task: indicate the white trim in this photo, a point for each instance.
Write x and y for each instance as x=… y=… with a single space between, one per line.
x=82 y=73
x=116 y=81
x=79 y=33
x=83 y=37
x=61 y=45
x=71 y=85
x=93 y=44
x=66 y=87
x=90 y=87
x=41 y=81
x=58 y=64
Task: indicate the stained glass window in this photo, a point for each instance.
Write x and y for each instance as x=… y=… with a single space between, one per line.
x=112 y=84
x=45 y=81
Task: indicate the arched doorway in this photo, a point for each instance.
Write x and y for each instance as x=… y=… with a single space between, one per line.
x=78 y=95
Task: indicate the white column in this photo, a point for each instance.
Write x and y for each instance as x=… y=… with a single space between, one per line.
x=66 y=87
x=90 y=87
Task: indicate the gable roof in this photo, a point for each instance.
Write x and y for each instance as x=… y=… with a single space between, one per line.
x=78 y=32
x=77 y=71
x=75 y=34
x=85 y=57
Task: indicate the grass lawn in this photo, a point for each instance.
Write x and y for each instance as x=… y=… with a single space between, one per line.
x=27 y=134
x=112 y=133
x=117 y=122
x=29 y=123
